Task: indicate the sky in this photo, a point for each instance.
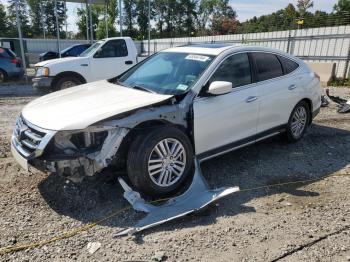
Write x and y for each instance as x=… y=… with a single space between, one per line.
x=245 y=8
x=249 y=8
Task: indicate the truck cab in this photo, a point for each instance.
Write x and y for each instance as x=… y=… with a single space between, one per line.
x=105 y=59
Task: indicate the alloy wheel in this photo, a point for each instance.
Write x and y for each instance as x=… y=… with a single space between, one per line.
x=299 y=121
x=167 y=162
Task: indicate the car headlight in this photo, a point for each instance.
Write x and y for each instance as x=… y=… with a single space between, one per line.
x=42 y=71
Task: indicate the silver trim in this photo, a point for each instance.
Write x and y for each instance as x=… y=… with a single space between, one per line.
x=237 y=147
x=38 y=149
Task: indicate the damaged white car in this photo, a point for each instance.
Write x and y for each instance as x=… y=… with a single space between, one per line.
x=184 y=102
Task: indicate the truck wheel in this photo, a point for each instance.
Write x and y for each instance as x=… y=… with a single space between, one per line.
x=3 y=76
x=298 y=122
x=160 y=162
x=67 y=82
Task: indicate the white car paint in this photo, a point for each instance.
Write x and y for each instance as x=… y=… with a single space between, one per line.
x=218 y=121
x=90 y=68
x=80 y=106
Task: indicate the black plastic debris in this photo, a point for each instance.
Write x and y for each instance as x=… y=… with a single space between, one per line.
x=343 y=104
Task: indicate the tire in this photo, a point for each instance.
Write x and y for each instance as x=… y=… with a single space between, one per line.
x=67 y=82
x=294 y=133
x=3 y=76
x=143 y=149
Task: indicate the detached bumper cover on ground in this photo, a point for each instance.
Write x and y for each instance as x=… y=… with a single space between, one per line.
x=198 y=196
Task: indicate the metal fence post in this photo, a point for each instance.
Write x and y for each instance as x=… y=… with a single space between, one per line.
x=289 y=41
x=345 y=73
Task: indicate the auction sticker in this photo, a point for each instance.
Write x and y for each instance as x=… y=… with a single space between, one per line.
x=201 y=58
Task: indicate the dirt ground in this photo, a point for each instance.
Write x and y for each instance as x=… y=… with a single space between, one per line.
x=299 y=222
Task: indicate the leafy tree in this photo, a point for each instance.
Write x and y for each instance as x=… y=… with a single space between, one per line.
x=129 y=17
x=36 y=16
x=303 y=6
x=95 y=13
x=142 y=17
x=4 y=29
x=49 y=17
x=341 y=13
x=23 y=16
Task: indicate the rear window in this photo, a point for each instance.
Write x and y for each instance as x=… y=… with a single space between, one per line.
x=288 y=65
x=6 y=53
x=268 y=66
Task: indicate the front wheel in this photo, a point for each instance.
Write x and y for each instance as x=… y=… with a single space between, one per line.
x=67 y=82
x=298 y=122
x=160 y=162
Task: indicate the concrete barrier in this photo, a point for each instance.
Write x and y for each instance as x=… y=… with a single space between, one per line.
x=325 y=70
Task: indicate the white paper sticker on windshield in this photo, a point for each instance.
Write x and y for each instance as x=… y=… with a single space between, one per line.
x=201 y=58
x=181 y=87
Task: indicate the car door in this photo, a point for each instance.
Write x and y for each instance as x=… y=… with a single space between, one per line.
x=278 y=93
x=111 y=59
x=226 y=121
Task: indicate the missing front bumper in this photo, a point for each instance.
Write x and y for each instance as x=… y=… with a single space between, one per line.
x=198 y=196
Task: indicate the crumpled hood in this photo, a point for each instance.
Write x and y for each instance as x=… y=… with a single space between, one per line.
x=79 y=107
x=59 y=60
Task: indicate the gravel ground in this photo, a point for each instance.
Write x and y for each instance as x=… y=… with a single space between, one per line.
x=299 y=222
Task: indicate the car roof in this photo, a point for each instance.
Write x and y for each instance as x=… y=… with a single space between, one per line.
x=217 y=48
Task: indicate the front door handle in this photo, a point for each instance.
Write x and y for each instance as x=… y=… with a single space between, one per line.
x=129 y=62
x=251 y=99
x=291 y=87
x=84 y=65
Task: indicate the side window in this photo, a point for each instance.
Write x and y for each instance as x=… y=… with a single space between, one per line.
x=72 y=51
x=268 y=66
x=113 y=48
x=235 y=69
x=288 y=65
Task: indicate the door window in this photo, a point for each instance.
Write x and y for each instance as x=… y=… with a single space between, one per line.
x=113 y=48
x=268 y=66
x=235 y=69
x=288 y=65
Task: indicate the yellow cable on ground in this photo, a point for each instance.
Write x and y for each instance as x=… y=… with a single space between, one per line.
x=78 y=230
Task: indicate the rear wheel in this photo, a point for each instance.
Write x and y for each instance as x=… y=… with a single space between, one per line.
x=160 y=162
x=298 y=122
x=3 y=76
x=67 y=82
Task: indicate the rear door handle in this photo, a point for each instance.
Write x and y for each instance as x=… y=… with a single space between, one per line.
x=129 y=62
x=291 y=87
x=84 y=64
x=251 y=99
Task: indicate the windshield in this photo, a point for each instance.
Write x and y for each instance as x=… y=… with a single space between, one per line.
x=91 y=49
x=167 y=72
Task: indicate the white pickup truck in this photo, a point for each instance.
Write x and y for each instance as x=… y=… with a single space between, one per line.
x=104 y=59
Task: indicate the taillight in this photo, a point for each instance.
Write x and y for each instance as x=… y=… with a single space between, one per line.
x=318 y=77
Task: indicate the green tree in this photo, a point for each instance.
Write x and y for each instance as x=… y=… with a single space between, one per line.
x=129 y=17
x=50 y=18
x=303 y=6
x=341 y=12
x=142 y=17
x=4 y=29
x=112 y=12
x=95 y=13
x=36 y=17
x=23 y=16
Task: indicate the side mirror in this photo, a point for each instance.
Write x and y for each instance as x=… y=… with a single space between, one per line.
x=219 y=88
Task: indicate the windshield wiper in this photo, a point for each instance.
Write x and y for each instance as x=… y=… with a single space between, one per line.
x=143 y=88
x=120 y=83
